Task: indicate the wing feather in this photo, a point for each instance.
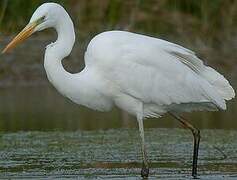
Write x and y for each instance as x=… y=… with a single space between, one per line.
x=153 y=70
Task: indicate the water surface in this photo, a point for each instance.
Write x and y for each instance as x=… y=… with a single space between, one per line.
x=43 y=108
x=115 y=154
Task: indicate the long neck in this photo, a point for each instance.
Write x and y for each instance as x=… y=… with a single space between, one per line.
x=58 y=50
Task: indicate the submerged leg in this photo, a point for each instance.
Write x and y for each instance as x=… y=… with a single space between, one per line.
x=145 y=168
x=196 y=136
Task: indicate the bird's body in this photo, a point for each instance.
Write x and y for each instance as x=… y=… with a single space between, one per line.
x=145 y=76
x=127 y=69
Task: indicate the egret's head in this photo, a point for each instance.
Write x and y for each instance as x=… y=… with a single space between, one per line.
x=44 y=17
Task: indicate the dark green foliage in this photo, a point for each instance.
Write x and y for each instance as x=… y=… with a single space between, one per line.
x=14 y=14
x=113 y=12
x=166 y=18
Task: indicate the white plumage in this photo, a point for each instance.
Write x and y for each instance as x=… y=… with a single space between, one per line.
x=159 y=74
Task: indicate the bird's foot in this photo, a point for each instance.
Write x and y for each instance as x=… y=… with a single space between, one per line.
x=145 y=171
x=195 y=176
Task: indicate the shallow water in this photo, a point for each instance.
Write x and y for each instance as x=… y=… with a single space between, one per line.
x=115 y=154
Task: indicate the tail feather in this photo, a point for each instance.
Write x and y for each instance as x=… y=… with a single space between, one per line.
x=217 y=80
x=220 y=85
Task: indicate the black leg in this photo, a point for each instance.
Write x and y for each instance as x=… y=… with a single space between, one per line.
x=144 y=171
x=145 y=166
x=196 y=136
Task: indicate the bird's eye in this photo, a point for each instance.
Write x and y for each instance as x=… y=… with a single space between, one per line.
x=41 y=20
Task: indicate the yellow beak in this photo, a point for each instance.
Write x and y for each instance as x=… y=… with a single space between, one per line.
x=24 y=34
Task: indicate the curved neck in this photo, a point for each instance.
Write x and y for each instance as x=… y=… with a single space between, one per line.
x=58 y=50
x=66 y=35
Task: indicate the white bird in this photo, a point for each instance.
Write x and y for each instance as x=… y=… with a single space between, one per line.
x=145 y=76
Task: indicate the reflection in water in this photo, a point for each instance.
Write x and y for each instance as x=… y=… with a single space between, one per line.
x=42 y=108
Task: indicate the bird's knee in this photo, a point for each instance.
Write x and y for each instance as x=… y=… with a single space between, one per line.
x=196 y=133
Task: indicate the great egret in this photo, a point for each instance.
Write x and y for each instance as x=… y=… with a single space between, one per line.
x=145 y=76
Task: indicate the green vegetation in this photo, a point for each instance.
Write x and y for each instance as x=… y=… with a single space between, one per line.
x=191 y=18
x=15 y=13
